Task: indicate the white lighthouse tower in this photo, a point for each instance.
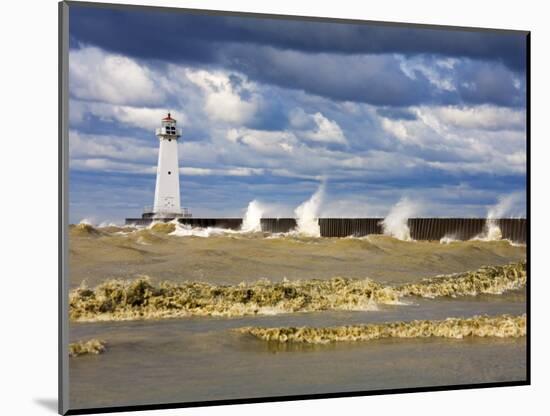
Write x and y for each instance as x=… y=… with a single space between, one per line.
x=167 y=191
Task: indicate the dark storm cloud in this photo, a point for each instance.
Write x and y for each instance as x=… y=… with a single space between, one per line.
x=318 y=37
x=341 y=62
x=484 y=83
x=184 y=36
x=376 y=79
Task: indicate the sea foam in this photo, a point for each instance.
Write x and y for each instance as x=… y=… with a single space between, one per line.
x=141 y=299
x=395 y=224
x=307 y=214
x=502 y=326
x=252 y=218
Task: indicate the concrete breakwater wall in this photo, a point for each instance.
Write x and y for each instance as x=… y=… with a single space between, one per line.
x=514 y=229
x=421 y=228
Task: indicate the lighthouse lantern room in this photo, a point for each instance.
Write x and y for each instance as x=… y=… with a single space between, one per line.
x=167 y=190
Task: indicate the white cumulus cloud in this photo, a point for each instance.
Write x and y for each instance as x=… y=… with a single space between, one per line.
x=102 y=76
x=265 y=142
x=326 y=130
x=229 y=99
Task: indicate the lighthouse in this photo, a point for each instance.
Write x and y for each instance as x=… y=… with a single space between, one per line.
x=167 y=190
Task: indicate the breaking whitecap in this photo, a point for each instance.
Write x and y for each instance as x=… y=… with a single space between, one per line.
x=141 y=299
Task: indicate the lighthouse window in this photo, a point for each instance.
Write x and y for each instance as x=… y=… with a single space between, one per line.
x=169 y=172
x=169 y=140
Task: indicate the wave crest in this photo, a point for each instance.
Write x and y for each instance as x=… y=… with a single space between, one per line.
x=493 y=280
x=503 y=326
x=84 y=229
x=140 y=299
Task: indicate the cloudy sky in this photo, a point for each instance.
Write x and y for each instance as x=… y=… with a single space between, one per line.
x=271 y=108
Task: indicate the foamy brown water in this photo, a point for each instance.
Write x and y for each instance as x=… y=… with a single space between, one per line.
x=214 y=283
x=205 y=358
x=503 y=326
x=139 y=299
x=107 y=253
x=91 y=346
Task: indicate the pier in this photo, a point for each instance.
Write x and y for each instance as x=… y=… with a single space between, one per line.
x=513 y=229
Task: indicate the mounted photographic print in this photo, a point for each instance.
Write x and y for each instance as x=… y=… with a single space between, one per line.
x=261 y=208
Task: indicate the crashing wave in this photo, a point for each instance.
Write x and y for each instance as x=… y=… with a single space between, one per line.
x=84 y=229
x=183 y=230
x=493 y=280
x=161 y=227
x=503 y=326
x=140 y=299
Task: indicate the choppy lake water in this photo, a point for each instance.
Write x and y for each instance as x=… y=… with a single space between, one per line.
x=204 y=358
